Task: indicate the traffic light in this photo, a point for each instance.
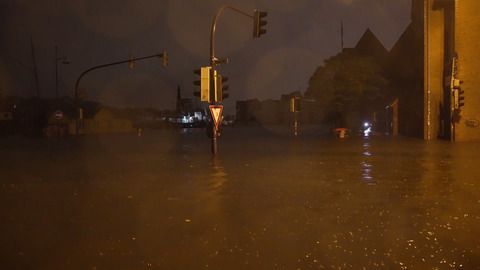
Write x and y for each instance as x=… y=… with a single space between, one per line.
x=295 y=104
x=221 y=88
x=461 y=98
x=165 y=58
x=458 y=93
x=131 y=62
x=259 y=22
x=203 y=82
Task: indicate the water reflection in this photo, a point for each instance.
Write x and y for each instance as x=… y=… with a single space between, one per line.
x=162 y=203
x=366 y=164
x=218 y=176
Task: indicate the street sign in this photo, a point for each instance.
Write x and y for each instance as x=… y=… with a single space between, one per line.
x=216 y=112
x=58 y=115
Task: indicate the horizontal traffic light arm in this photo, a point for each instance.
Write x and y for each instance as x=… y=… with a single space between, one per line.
x=213 y=60
x=77 y=83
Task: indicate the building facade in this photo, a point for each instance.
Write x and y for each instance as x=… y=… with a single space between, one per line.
x=450 y=57
x=467 y=43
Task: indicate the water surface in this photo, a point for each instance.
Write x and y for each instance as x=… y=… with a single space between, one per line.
x=267 y=201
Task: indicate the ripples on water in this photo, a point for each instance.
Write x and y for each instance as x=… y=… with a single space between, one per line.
x=268 y=201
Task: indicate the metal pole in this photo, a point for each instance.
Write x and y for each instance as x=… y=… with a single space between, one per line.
x=214 y=61
x=214 y=146
x=214 y=140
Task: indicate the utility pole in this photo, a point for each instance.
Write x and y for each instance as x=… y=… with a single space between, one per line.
x=35 y=71
x=56 y=72
x=65 y=62
x=341 y=36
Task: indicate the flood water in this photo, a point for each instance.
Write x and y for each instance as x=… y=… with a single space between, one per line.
x=268 y=201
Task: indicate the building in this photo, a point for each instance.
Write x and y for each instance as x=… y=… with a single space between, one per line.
x=274 y=112
x=246 y=110
x=439 y=47
x=188 y=113
x=406 y=79
x=104 y=121
x=278 y=112
x=369 y=45
x=184 y=105
x=364 y=64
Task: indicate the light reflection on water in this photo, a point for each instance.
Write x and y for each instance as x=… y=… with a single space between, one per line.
x=366 y=165
x=266 y=202
x=218 y=175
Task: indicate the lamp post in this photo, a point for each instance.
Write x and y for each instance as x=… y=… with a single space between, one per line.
x=65 y=62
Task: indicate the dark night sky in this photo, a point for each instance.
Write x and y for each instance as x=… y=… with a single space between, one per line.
x=301 y=34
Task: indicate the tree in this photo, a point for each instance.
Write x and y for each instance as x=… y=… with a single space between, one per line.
x=348 y=86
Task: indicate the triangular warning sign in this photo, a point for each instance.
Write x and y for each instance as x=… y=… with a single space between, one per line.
x=216 y=112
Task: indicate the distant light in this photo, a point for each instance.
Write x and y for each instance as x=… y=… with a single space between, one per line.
x=367 y=132
x=366 y=124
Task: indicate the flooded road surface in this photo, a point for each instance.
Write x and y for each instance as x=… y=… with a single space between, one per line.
x=269 y=201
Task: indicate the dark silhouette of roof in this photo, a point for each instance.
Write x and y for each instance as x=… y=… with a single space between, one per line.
x=405 y=61
x=369 y=45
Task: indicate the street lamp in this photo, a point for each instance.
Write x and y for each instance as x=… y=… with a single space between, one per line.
x=65 y=62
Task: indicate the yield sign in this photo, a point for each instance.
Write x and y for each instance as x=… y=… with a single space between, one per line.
x=216 y=112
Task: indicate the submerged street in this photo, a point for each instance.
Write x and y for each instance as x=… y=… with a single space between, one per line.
x=268 y=201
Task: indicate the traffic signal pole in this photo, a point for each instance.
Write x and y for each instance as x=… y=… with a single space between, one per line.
x=215 y=61
x=212 y=84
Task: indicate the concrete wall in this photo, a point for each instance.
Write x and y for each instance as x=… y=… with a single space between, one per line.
x=467 y=46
